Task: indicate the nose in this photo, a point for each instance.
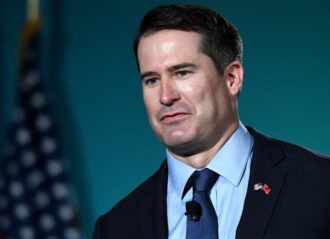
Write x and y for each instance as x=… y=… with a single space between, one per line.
x=168 y=93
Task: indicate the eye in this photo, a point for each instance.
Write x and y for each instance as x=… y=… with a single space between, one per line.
x=182 y=73
x=151 y=81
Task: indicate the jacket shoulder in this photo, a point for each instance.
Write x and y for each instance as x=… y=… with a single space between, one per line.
x=299 y=151
x=141 y=201
x=145 y=190
x=288 y=149
x=310 y=163
x=297 y=161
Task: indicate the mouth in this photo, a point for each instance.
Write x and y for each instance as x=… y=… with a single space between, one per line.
x=170 y=118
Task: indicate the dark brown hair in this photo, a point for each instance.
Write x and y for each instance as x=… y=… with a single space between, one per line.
x=220 y=40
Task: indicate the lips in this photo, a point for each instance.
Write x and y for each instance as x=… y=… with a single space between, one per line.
x=169 y=118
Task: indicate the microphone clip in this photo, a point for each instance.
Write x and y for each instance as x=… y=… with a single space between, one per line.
x=193 y=211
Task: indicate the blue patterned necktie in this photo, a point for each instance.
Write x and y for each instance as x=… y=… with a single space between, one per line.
x=207 y=226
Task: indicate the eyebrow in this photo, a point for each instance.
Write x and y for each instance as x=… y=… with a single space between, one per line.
x=148 y=73
x=171 y=68
x=181 y=65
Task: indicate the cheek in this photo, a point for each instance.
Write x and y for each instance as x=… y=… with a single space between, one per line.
x=202 y=99
x=195 y=91
x=207 y=97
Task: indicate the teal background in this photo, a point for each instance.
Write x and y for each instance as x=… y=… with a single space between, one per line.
x=92 y=83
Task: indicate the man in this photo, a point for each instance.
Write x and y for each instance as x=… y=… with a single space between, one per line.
x=220 y=179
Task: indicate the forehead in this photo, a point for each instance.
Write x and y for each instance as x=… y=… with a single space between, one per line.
x=168 y=44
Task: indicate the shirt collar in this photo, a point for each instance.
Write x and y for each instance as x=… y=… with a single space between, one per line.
x=229 y=162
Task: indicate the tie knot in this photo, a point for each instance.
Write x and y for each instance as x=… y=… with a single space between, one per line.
x=203 y=180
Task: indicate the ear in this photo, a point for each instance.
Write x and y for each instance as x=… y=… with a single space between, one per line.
x=233 y=75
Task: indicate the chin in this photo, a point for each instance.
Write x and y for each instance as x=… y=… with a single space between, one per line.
x=179 y=145
x=176 y=137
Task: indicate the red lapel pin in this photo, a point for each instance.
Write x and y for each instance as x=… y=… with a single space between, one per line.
x=263 y=187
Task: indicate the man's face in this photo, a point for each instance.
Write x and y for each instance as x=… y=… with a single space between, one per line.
x=188 y=103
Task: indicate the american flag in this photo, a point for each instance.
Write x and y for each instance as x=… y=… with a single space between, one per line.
x=35 y=201
x=258 y=186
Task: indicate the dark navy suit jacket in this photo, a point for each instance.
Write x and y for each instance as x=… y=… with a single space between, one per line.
x=298 y=205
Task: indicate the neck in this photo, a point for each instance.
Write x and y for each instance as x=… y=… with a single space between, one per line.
x=203 y=158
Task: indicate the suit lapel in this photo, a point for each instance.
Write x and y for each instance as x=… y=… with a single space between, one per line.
x=153 y=218
x=258 y=205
